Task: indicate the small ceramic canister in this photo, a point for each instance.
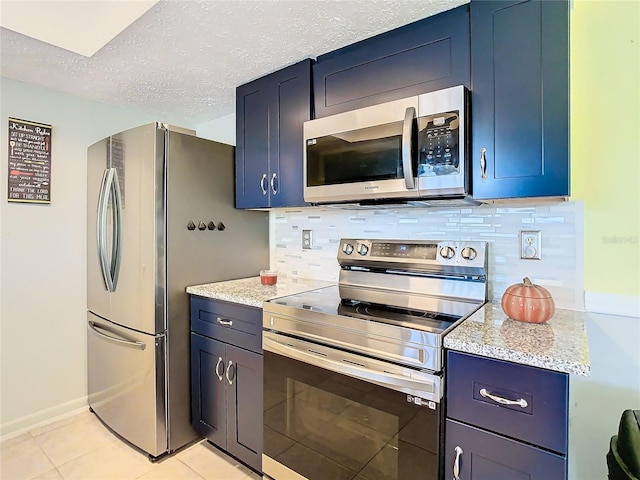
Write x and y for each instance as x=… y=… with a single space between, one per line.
x=527 y=302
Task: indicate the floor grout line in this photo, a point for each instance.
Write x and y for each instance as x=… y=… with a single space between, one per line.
x=62 y=431
x=189 y=467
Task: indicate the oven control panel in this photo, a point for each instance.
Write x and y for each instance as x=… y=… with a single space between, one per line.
x=439 y=252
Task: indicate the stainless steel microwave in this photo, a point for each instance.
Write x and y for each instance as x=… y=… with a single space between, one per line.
x=414 y=148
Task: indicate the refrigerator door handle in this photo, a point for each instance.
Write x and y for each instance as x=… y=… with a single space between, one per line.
x=110 y=191
x=117 y=229
x=100 y=328
x=101 y=227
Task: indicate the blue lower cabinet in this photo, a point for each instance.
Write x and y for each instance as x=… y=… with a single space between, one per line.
x=517 y=401
x=226 y=397
x=475 y=454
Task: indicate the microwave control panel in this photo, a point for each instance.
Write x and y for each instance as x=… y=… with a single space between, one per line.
x=438 y=141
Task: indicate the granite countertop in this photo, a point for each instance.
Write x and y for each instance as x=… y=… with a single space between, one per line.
x=560 y=344
x=249 y=291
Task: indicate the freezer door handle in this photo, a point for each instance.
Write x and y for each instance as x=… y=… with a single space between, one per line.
x=109 y=191
x=100 y=329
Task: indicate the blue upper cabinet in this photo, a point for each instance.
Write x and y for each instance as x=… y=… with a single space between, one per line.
x=270 y=112
x=423 y=56
x=520 y=98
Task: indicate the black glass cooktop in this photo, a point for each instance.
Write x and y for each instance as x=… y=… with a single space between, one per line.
x=329 y=301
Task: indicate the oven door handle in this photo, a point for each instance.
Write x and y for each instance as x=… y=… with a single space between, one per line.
x=349 y=365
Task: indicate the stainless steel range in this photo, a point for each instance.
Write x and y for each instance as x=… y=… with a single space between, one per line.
x=354 y=373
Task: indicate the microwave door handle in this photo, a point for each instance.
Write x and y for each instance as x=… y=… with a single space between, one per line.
x=407 y=142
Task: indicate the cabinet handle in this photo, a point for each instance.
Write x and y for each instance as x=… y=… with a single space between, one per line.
x=229 y=369
x=218 y=373
x=483 y=163
x=262 y=184
x=456 y=464
x=226 y=323
x=407 y=142
x=522 y=402
x=273 y=184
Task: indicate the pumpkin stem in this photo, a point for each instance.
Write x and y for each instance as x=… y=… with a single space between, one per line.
x=527 y=282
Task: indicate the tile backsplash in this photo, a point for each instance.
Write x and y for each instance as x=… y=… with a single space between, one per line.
x=560 y=270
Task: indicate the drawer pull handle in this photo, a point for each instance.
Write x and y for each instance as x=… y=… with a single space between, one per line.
x=218 y=373
x=522 y=402
x=226 y=323
x=456 y=464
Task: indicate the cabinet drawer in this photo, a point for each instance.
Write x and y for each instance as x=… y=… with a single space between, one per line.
x=487 y=456
x=236 y=324
x=541 y=419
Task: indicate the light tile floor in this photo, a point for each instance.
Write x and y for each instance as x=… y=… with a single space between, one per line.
x=82 y=448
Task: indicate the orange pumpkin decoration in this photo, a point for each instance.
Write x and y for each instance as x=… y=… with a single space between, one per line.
x=527 y=302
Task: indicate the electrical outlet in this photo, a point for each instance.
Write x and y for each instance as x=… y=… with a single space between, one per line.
x=530 y=243
x=307 y=239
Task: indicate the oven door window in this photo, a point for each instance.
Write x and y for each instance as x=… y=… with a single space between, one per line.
x=363 y=155
x=325 y=425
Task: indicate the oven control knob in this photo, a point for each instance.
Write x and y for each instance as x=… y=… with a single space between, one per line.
x=469 y=253
x=347 y=248
x=362 y=249
x=447 y=252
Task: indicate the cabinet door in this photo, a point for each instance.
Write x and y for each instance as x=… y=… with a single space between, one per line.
x=244 y=403
x=291 y=104
x=520 y=85
x=208 y=409
x=482 y=455
x=424 y=56
x=252 y=144
x=270 y=112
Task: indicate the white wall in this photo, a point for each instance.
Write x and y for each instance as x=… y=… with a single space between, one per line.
x=43 y=259
x=596 y=402
x=221 y=129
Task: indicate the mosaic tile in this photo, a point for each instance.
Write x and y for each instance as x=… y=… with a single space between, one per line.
x=561 y=225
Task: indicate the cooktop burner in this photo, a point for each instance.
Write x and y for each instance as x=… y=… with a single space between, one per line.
x=432 y=321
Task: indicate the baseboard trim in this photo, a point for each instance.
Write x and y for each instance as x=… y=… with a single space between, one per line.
x=42 y=418
x=612 y=304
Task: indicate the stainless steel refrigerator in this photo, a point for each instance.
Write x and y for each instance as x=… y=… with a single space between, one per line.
x=160 y=217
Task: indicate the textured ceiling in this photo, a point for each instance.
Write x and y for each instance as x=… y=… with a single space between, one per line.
x=81 y=27
x=183 y=59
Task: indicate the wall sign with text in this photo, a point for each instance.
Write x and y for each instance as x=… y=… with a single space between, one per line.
x=29 y=162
